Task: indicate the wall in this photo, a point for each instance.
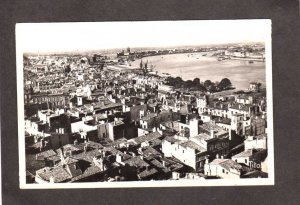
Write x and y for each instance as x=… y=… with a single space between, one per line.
x=251 y=143
x=185 y=155
x=217 y=170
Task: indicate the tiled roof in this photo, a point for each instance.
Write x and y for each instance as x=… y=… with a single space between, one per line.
x=149 y=116
x=246 y=153
x=260 y=155
x=208 y=126
x=70 y=147
x=147 y=173
x=227 y=164
x=193 y=145
x=224 y=121
x=148 y=151
x=201 y=137
x=73 y=170
x=241 y=107
x=255 y=174
x=136 y=161
x=45 y=154
x=144 y=138
x=108 y=106
x=88 y=172
x=171 y=139
x=87 y=156
x=59 y=173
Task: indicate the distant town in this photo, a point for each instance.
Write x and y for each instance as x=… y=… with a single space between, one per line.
x=100 y=117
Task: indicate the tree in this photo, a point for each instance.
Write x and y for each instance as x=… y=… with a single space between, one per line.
x=141 y=64
x=201 y=87
x=196 y=81
x=212 y=88
x=178 y=79
x=208 y=83
x=224 y=84
x=189 y=83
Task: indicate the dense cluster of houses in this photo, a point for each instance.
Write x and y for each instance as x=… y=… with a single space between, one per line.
x=88 y=124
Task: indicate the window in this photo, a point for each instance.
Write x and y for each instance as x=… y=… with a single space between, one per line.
x=182 y=151
x=246 y=161
x=223 y=170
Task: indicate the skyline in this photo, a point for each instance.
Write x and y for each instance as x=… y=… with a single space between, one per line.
x=66 y=37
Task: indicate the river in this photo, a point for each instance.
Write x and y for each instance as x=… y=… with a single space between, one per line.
x=190 y=66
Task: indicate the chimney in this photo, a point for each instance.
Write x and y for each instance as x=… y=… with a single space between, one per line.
x=119 y=158
x=206 y=161
x=164 y=163
x=76 y=142
x=62 y=158
x=86 y=147
x=222 y=157
x=51 y=179
x=140 y=150
x=217 y=156
x=212 y=133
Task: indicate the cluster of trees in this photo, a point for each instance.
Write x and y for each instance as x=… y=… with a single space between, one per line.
x=191 y=84
x=195 y=84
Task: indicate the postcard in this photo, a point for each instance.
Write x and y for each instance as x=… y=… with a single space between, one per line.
x=145 y=104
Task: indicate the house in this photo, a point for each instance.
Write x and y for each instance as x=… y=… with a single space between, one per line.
x=164 y=91
x=193 y=151
x=152 y=120
x=201 y=103
x=85 y=130
x=113 y=130
x=254 y=87
x=256 y=142
x=223 y=168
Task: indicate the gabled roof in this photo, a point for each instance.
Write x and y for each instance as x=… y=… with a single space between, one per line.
x=144 y=138
x=192 y=145
x=136 y=161
x=246 y=153
x=227 y=164
x=147 y=173
x=59 y=173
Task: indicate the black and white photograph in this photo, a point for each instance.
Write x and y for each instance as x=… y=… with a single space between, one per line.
x=145 y=104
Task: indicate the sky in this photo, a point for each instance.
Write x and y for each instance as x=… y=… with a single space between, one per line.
x=63 y=37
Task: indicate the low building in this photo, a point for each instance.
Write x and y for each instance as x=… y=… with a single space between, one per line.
x=223 y=168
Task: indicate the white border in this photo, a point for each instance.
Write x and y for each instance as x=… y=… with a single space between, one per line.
x=139 y=184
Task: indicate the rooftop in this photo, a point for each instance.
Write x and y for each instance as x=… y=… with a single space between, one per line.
x=227 y=164
x=193 y=145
